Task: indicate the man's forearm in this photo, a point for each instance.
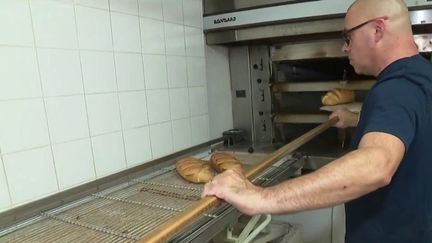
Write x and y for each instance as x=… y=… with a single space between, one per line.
x=347 y=178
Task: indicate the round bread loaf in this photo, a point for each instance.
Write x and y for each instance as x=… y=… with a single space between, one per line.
x=225 y=161
x=194 y=170
x=338 y=96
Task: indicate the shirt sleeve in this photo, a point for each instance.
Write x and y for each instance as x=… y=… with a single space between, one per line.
x=394 y=109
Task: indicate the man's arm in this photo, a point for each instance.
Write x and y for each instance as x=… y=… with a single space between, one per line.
x=364 y=170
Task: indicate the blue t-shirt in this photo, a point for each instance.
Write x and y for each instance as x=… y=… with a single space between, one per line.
x=400 y=103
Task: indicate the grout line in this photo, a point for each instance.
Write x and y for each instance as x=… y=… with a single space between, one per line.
x=166 y=76
x=20 y=99
x=94 y=93
x=145 y=87
x=6 y=178
x=137 y=15
x=97 y=50
x=188 y=84
x=102 y=134
x=17 y=46
x=27 y=149
x=84 y=138
x=85 y=96
x=118 y=95
x=43 y=100
x=60 y=143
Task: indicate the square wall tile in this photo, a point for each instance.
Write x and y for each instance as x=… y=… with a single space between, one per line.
x=31 y=174
x=196 y=69
x=124 y=6
x=103 y=113
x=192 y=11
x=23 y=125
x=155 y=72
x=194 y=42
x=67 y=118
x=161 y=139
x=177 y=72
x=74 y=163
x=138 y=147
x=98 y=72
x=179 y=100
x=103 y=4
x=60 y=72
x=198 y=100
x=150 y=9
x=94 y=29
x=174 y=39
x=15 y=23
x=54 y=23
x=130 y=71
x=200 y=129
x=5 y=200
x=126 y=32
x=109 y=155
x=152 y=36
x=181 y=130
x=158 y=106
x=19 y=76
x=133 y=108
x=173 y=11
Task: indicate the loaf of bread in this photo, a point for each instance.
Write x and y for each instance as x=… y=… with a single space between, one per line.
x=194 y=170
x=224 y=161
x=338 y=96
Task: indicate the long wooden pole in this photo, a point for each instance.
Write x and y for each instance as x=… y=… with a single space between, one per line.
x=165 y=231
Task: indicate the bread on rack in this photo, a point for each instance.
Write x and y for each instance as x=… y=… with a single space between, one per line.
x=194 y=170
x=225 y=161
x=338 y=96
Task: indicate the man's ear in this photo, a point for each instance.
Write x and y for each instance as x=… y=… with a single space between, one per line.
x=379 y=30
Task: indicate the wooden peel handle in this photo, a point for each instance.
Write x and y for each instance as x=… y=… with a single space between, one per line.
x=165 y=231
x=290 y=147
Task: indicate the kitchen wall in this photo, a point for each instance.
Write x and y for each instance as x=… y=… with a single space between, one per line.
x=92 y=87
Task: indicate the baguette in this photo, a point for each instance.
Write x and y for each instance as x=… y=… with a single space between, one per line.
x=338 y=96
x=224 y=161
x=194 y=170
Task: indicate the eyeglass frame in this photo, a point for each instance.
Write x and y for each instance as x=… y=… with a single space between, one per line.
x=346 y=34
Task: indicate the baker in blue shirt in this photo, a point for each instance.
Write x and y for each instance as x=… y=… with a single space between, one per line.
x=386 y=180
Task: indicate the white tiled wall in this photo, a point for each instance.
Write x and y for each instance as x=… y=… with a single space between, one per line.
x=74 y=162
x=30 y=174
x=91 y=87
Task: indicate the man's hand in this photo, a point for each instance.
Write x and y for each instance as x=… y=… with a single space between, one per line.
x=236 y=189
x=346 y=118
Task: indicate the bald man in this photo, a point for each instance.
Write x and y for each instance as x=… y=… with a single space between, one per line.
x=385 y=180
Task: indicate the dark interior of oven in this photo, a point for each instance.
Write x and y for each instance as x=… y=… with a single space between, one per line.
x=303 y=103
x=303 y=106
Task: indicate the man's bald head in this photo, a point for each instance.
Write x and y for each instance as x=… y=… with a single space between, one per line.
x=383 y=34
x=396 y=11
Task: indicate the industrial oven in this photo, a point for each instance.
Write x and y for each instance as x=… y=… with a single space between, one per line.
x=283 y=56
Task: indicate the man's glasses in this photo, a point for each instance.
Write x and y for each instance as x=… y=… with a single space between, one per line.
x=346 y=34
